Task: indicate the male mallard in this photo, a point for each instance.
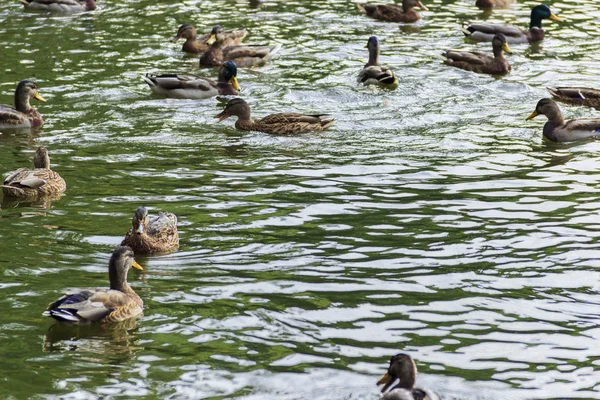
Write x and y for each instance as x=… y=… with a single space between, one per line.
x=577 y=95
x=403 y=367
x=493 y=3
x=152 y=235
x=486 y=32
x=22 y=115
x=557 y=130
x=34 y=182
x=194 y=45
x=279 y=124
x=392 y=12
x=117 y=303
x=243 y=55
x=188 y=86
x=67 y=6
x=481 y=62
x=373 y=73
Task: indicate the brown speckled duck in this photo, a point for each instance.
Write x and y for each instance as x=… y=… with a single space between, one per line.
x=31 y=183
x=63 y=6
x=557 y=130
x=493 y=3
x=117 y=303
x=403 y=367
x=580 y=96
x=194 y=45
x=481 y=62
x=392 y=12
x=22 y=115
x=152 y=235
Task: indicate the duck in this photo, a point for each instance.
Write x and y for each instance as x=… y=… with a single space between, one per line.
x=102 y=305
x=580 y=96
x=196 y=46
x=493 y=3
x=482 y=62
x=277 y=124
x=188 y=86
x=557 y=130
x=403 y=367
x=373 y=73
x=64 y=6
x=31 y=183
x=242 y=55
x=486 y=32
x=22 y=115
x=152 y=234
x=392 y=12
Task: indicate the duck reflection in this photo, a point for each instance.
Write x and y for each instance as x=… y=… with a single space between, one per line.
x=44 y=202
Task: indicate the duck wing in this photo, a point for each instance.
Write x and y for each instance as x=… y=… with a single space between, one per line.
x=470 y=57
x=376 y=74
x=11 y=116
x=163 y=224
x=179 y=81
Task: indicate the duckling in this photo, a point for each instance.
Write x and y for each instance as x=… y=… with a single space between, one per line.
x=373 y=73
x=403 y=367
x=194 y=45
x=63 y=6
x=581 y=96
x=279 y=124
x=30 y=183
x=188 y=86
x=117 y=303
x=243 y=55
x=481 y=62
x=22 y=115
x=557 y=130
x=152 y=235
x=392 y=12
x=486 y=32
x=493 y=3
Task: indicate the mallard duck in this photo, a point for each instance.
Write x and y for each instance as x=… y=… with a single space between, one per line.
x=480 y=62
x=557 y=130
x=67 y=6
x=243 y=55
x=194 y=45
x=493 y=3
x=34 y=182
x=392 y=12
x=373 y=73
x=152 y=235
x=486 y=32
x=188 y=86
x=577 y=95
x=117 y=303
x=403 y=367
x=22 y=115
x=279 y=124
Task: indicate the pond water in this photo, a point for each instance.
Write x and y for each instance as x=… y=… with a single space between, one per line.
x=431 y=220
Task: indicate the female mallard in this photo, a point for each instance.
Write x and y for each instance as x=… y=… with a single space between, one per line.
x=486 y=32
x=194 y=45
x=152 y=235
x=66 y=6
x=557 y=130
x=279 y=124
x=481 y=62
x=577 y=95
x=188 y=86
x=392 y=12
x=34 y=182
x=22 y=115
x=403 y=367
x=243 y=56
x=117 y=303
x=373 y=73
x=493 y=3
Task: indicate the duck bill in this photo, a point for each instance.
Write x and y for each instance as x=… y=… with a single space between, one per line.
x=555 y=17
x=505 y=47
x=422 y=6
x=176 y=38
x=39 y=97
x=140 y=229
x=137 y=266
x=234 y=83
x=387 y=380
x=223 y=115
x=532 y=115
x=211 y=39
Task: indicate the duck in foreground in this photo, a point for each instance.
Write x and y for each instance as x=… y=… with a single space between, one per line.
x=486 y=32
x=22 y=115
x=482 y=62
x=152 y=234
x=557 y=130
x=580 y=96
x=117 y=303
x=392 y=12
x=188 y=86
x=194 y=45
x=278 y=124
x=403 y=367
x=65 y=6
x=493 y=3
x=373 y=73
x=31 y=183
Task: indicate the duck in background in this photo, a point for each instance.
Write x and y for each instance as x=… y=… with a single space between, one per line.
x=403 y=368
x=557 y=130
x=580 y=96
x=392 y=12
x=62 y=6
x=22 y=115
x=373 y=73
x=481 y=62
x=152 y=234
x=195 y=46
x=486 y=4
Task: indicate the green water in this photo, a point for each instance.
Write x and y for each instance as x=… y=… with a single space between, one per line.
x=432 y=219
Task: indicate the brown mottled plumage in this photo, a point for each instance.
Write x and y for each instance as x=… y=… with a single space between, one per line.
x=35 y=182
x=580 y=96
x=482 y=62
x=493 y=3
x=117 y=303
x=403 y=367
x=392 y=12
x=22 y=115
x=279 y=124
x=66 y=6
x=194 y=45
x=152 y=235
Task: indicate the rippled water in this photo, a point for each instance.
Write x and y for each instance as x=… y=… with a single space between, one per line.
x=431 y=219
